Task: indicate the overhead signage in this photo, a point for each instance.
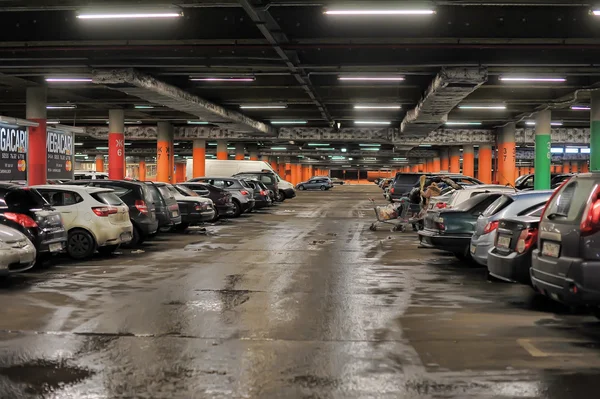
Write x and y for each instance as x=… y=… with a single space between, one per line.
x=61 y=154
x=13 y=153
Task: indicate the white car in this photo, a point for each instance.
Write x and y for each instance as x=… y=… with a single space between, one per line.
x=453 y=198
x=17 y=253
x=89 y=175
x=95 y=218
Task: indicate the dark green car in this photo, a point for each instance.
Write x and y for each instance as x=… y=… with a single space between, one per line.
x=451 y=229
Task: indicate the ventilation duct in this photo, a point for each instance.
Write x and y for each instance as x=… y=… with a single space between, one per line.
x=448 y=89
x=140 y=85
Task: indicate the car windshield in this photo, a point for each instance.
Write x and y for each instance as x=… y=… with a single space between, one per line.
x=186 y=191
x=471 y=202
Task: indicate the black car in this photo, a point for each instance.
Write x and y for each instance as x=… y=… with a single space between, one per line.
x=222 y=199
x=262 y=199
x=26 y=210
x=269 y=179
x=516 y=238
x=526 y=182
x=404 y=183
x=167 y=209
x=193 y=208
x=138 y=198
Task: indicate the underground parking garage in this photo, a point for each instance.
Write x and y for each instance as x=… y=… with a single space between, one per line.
x=266 y=199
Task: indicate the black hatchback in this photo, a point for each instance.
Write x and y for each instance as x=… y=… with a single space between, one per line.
x=167 y=209
x=26 y=210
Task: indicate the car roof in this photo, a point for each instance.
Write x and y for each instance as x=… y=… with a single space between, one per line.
x=487 y=186
x=533 y=193
x=71 y=187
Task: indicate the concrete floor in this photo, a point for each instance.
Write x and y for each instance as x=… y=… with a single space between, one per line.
x=298 y=301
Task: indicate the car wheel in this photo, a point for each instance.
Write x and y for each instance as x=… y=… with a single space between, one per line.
x=137 y=238
x=238 y=209
x=280 y=196
x=80 y=244
x=301 y=188
x=323 y=188
x=108 y=249
x=181 y=227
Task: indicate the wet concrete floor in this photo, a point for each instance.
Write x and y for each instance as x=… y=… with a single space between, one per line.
x=298 y=301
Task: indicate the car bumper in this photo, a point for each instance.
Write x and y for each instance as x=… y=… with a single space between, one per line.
x=248 y=206
x=580 y=285
x=16 y=260
x=289 y=193
x=480 y=247
x=513 y=267
x=114 y=235
x=198 y=217
x=226 y=210
x=452 y=243
x=52 y=242
x=146 y=227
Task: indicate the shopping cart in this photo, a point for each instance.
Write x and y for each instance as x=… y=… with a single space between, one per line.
x=397 y=214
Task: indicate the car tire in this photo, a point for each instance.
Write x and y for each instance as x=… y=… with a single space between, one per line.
x=80 y=244
x=301 y=188
x=323 y=188
x=238 y=209
x=108 y=249
x=181 y=227
x=280 y=196
x=137 y=238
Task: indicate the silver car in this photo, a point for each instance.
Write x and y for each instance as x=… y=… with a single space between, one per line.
x=17 y=253
x=506 y=206
x=242 y=193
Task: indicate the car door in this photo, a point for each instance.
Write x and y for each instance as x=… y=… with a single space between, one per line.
x=66 y=202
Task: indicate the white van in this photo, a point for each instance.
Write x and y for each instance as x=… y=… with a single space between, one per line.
x=217 y=168
x=89 y=175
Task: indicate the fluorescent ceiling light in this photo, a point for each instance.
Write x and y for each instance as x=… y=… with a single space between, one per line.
x=78 y=143
x=129 y=15
x=570 y=150
x=532 y=123
x=482 y=106
x=212 y=144
x=399 y=159
x=585 y=151
x=68 y=80
x=132 y=122
x=197 y=123
x=325 y=149
x=263 y=106
x=231 y=148
x=61 y=106
x=373 y=78
x=556 y=150
x=371 y=149
x=279 y=148
x=361 y=12
x=144 y=106
x=81 y=155
x=288 y=122
x=225 y=79
x=318 y=145
x=344 y=150
x=424 y=145
x=457 y=123
x=102 y=148
x=580 y=108
x=524 y=79
x=369 y=145
x=128 y=143
x=372 y=122
x=52 y=122
x=377 y=107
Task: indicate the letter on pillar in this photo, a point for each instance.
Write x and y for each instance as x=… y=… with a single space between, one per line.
x=485 y=163
x=37 y=157
x=543 y=156
x=468 y=160
x=199 y=158
x=116 y=144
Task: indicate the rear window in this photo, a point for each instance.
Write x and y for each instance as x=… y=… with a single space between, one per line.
x=166 y=193
x=155 y=194
x=24 y=200
x=474 y=201
x=246 y=184
x=406 y=179
x=107 y=198
x=186 y=191
x=569 y=203
x=498 y=205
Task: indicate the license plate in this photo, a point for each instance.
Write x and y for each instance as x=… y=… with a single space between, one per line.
x=175 y=214
x=473 y=248
x=550 y=249
x=56 y=247
x=503 y=242
x=126 y=237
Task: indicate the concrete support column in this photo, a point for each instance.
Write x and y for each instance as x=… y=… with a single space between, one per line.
x=274 y=163
x=543 y=158
x=595 y=132
x=116 y=144
x=484 y=165
x=422 y=165
x=414 y=168
x=454 y=166
x=142 y=169
x=566 y=167
x=437 y=165
x=468 y=160
x=199 y=158
x=179 y=172
x=164 y=172
x=99 y=163
x=253 y=150
x=444 y=160
x=37 y=158
x=222 y=150
x=507 y=155
x=429 y=165
x=240 y=151
x=585 y=168
x=298 y=173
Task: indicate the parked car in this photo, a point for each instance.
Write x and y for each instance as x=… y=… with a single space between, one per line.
x=242 y=194
x=526 y=182
x=25 y=210
x=335 y=180
x=193 y=208
x=404 y=182
x=385 y=183
x=566 y=265
x=510 y=257
x=508 y=205
x=451 y=229
x=137 y=196
x=89 y=175
x=269 y=179
x=456 y=197
x=317 y=183
x=221 y=198
x=17 y=253
x=167 y=209
x=262 y=199
x=95 y=218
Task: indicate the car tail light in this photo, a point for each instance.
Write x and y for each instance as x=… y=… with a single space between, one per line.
x=439 y=224
x=392 y=190
x=590 y=223
x=21 y=219
x=141 y=206
x=491 y=226
x=440 y=205
x=263 y=192
x=104 y=211
x=197 y=207
x=526 y=240
x=244 y=192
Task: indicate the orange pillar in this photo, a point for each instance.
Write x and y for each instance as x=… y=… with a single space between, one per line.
x=574 y=167
x=414 y=168
x=484 y=165
x=199 y=158
x=299 y=172
x=444 y=160
x=436 y=165
x=421 y=166
x=179 y=172
x=163 y=153
x=99 y=163
x=566 y=167
x=507 y=156
x=454 y=166
x=468 y=160
x=239 y=151
x=222 y=150
x=142 y=171
x=585 y=168
x=116 y=144
x=429 y=165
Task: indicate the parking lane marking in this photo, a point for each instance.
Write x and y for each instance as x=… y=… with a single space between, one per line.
x=536 y=352
x=529 y=347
